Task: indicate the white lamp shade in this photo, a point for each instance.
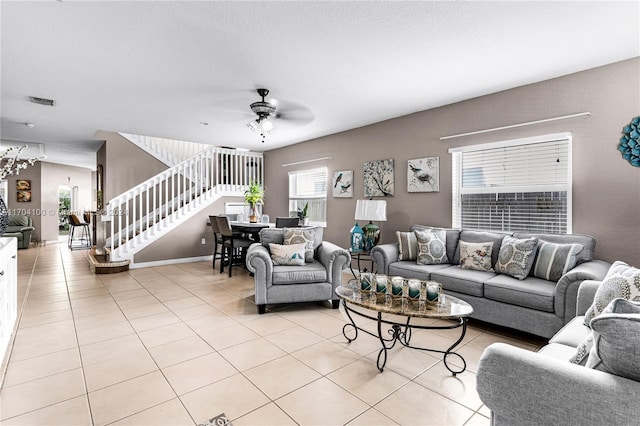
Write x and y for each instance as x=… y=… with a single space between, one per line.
x=371 y=210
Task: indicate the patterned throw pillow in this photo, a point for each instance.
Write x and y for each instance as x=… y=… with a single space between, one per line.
x=621 y=281
x=476 y=256
x=301 y=235
x=555 y=260
x=407 y=246
x=291 y=254
x=432 y=247
x=516 y=256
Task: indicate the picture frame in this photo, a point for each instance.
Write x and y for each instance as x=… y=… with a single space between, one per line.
x=379 y=178
x=342 y=184
x=23 y=184
x=423 y=174
x=23 y=196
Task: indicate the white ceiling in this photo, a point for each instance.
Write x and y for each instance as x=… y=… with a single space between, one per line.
x=161 y=68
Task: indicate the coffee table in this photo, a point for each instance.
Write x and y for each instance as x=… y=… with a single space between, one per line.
x=387 y=307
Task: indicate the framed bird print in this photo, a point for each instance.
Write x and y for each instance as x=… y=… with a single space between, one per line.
x=342 y=184
x=423 y=175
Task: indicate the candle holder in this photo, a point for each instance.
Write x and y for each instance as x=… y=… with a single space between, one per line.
x=366 y=284
x=433 y=291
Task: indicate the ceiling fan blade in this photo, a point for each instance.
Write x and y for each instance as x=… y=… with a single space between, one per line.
x=294 y=112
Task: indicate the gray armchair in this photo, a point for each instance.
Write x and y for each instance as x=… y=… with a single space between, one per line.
x=314 y=281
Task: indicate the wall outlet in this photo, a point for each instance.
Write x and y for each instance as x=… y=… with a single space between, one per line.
x=204 y=241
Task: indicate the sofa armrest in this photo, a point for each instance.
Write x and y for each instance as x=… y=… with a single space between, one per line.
x=384 y=255
x=525 y=388
x=567 y=288
x=259 y=262
x=27 y=228
x=586 y=294
x=335 y=259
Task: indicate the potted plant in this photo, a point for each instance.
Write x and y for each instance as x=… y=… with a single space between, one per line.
x=254 y=195
x=303 y=214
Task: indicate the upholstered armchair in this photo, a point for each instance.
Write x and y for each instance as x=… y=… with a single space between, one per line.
x=313 y=280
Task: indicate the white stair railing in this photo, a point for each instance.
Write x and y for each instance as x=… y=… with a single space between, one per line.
x=146 y=212
x=169 y=151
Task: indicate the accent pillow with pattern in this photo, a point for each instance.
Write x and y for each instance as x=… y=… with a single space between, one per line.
x=407 y=246
x=432 y=247
x=621 y=281
x=301 y=235
x=555 y=260
x=287 y=254
x=476 y=256
x=516 y=256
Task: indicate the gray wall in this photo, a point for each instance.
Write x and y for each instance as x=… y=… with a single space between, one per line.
x=606 y=188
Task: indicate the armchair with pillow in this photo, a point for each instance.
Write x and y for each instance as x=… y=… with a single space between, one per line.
x=20 y=227
x=295 y=265
x=588 y=374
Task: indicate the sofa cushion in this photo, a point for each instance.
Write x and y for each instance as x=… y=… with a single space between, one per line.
x=410 y=269
x=14 y=229
x=476 y=256
x=621 y=281
x=616 y=338
x=452 y=238
x=304 y=236
x=557 y=351
x=516 y=256
x=407 y=245
x=465 y=281
x=432 y=248
x=573 y=333
x=555 y=260
x=18 y=220
x=310 y=273
x=276 y=236
x=288 y=254
x=587 y=241
x=481 y=237
x=531 y=293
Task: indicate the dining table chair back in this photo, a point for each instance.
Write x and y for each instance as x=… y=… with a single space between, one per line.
x=287 y=222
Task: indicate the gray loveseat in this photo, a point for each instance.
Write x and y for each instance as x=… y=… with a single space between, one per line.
x=521 y=387
x=314 y=281
x=20 y=227
x=532 y=305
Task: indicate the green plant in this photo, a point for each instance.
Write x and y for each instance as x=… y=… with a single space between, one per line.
x=254 y=194
x=302 y=213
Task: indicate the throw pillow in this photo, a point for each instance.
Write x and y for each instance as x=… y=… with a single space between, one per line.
x=432 y=247
x=290 y=254
x=407 y=246
x=476 y=256
x=584 y=348
x=621 y=281
x=555 y=260
x=616 y=338
x=301 y=235
x=516 y=256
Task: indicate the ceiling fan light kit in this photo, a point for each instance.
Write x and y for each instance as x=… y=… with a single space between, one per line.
x=263 y=110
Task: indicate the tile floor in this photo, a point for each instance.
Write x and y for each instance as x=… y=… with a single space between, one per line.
x=180 y=344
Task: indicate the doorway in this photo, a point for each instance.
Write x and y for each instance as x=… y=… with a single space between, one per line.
x=67 y=202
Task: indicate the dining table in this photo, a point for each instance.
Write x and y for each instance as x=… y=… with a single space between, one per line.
x=250 y=228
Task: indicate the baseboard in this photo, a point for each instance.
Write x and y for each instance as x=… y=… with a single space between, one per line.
x=170 y=262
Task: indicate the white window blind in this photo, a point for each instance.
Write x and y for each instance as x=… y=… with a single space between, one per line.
x=309 y=186
x=518 y=185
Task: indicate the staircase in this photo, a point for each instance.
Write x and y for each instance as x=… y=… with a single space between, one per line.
x=153 y=208
x=169 y=151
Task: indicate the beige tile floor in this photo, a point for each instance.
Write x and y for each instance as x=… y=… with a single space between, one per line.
x=180 y=344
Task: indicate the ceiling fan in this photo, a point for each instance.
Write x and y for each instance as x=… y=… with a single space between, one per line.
x=269 y=111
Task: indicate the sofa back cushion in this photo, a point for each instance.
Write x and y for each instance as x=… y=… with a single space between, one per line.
x=554 y=260
x=432 y=249
x=276 y=236
x=18 y=220
x=494 y=237
x=516 y=256
x=587 y=241
x=451 y=240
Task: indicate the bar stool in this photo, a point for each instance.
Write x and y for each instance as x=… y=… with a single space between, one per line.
x=231 y=243
x=84 y=239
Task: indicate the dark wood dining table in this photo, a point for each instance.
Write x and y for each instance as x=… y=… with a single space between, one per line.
x=250 y=228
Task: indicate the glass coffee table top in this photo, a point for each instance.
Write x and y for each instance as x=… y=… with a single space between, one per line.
x=450 y=308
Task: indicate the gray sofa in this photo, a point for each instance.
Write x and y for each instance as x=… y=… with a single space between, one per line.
x=314 y=281
x=20 y=227
x=521 y=387
x=532 y=305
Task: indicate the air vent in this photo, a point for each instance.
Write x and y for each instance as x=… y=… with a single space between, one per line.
x=42 y=101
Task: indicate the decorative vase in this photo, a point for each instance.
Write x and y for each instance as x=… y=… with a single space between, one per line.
x=253 y=213
x=4 y=217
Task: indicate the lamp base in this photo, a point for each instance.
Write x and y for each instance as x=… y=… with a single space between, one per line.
x=371 y=235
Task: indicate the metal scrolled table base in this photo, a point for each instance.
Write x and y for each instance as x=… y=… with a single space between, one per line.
x=402 y=333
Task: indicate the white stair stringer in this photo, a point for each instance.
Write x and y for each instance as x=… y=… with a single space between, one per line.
x=150 y=210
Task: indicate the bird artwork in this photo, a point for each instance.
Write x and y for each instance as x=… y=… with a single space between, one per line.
x=337 y=180
x=422 y=175
x=344 y=188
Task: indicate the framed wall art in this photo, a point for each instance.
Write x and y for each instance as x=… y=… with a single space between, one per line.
x=423 y=175
x=23 y=196
x=23 y=184
x=342 y=184
x=378 y=178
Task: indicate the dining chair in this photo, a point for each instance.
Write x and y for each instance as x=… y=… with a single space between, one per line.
x=217 y=240
x=234 y=247
x=287 y=222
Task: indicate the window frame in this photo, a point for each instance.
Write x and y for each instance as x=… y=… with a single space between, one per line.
x=295 y=196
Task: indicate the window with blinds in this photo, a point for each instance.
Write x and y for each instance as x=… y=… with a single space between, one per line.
x=518 y=185
x=309 y=186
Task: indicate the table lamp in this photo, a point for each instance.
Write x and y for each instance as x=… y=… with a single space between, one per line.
x=371 y=210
